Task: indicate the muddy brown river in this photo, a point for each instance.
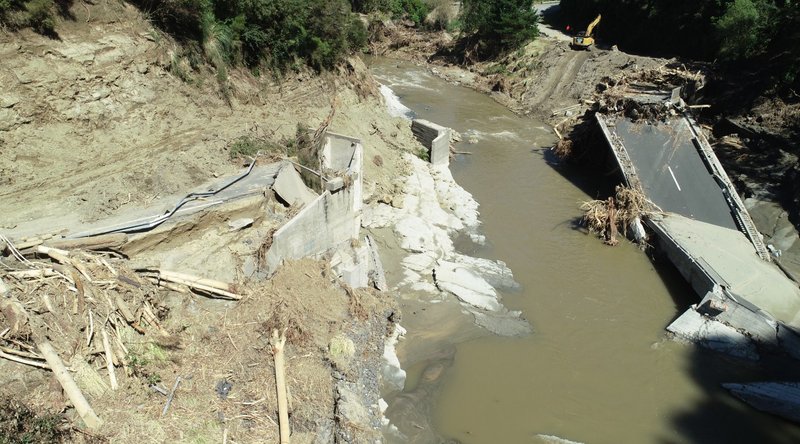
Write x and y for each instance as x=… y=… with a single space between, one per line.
x=597 y=368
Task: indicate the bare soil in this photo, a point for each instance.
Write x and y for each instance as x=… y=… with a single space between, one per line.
x=99 y=120
x=109 y=118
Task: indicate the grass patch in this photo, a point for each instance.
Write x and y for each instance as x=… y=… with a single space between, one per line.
x=40 y=15
x=249 y=146
x=497 y=68
x=423 y=153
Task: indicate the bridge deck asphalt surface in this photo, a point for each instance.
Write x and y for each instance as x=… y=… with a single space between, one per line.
x=672 y=172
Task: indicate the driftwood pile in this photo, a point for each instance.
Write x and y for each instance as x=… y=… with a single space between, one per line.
x=607 y=218
x=82 y=306
x=614 y=94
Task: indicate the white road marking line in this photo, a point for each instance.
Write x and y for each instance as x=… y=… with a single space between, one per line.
x=673 y=178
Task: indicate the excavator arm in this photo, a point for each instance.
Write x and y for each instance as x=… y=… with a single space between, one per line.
x=591 y=26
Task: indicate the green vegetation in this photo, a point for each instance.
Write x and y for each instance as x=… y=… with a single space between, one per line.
x=423 y=153
x=300 y=146
x=497 y=68
x=743 y=28
x=248 y=146
x=414 y=10
x=21 y=425
x=759 y=33
x=280 y=34
x=37 y=14
x=499 y=25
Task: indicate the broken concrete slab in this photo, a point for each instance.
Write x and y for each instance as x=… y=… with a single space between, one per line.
x=332 y=218
x=496 y=273
x=466 y=285
x=352 y=265
x=240 y=224
x=335 y=184
x=251 y=183
x=503 y=323
x=290 y=187
x=419 y=262
x=552 y=439
x=708 y=254
x=706 y=332
x=777 y=398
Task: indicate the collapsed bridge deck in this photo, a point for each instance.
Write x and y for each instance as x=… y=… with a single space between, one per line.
x=705 y=229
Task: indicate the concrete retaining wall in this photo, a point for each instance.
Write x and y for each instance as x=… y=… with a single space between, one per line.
x=345 y=155
x=434 y=137
x=332 y=218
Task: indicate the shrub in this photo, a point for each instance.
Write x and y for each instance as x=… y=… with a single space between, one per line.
x=500 y=25
x=21 y=425
x=442 y=14
x=37 y=14
x=742 y=29
x=367 y=6
x=5 y=6
x=414 y=10
x=40 y=16
x=287 y=33
x=356 y=33
x=247 y=146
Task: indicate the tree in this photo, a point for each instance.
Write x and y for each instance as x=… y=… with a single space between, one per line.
x=500 y=25
x=743 y=29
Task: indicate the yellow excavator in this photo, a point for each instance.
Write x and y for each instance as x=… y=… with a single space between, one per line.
x=585 y=39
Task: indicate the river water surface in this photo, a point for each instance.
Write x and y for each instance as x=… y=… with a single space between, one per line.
x=597 y=368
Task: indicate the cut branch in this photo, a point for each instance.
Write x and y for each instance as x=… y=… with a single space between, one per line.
x=278 y=344
x=112 y=376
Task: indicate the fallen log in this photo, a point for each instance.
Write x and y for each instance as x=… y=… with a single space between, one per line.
x=168 y=285
x=103 y=241
x=278 y=344
x=68 y=384
x=33 y=274
x=212 y=287
x=21 y=353
x=174 y=276
x=123 y=308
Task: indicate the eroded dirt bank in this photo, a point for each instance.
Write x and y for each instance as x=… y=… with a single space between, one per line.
x=102 y=121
